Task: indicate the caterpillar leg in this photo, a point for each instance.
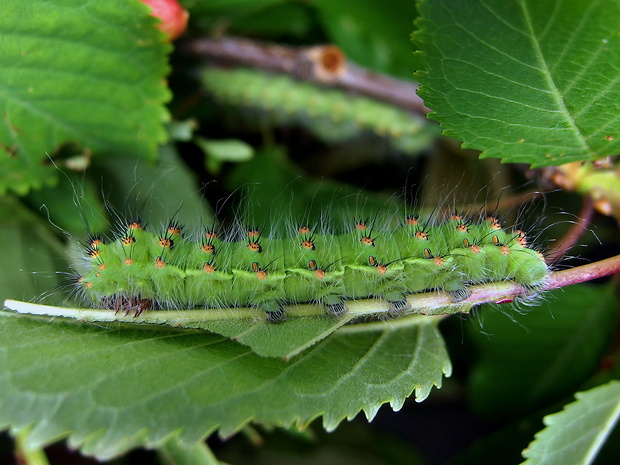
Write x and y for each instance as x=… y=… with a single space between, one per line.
x=397 y=306
x=459 y=295
x=121 y=303
x=274 y=313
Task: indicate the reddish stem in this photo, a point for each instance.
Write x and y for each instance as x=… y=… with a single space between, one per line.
x=584 y=273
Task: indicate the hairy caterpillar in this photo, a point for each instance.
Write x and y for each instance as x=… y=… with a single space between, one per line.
x=139 y=269
x=333 y=115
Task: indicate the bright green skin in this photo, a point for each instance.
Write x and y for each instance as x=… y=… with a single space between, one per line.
x=355 y=265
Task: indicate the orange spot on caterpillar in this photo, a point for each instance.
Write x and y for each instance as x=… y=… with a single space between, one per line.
x=475 y=249
x=360 y=226
x=174 y=228
x=260 y=273
x=427 y=253
x=465 y=242
x=135 y=225
x=521 y=238
x=208 y=248
x=253 y=233
x=166 y=242
x=87 y=284
x=610 y=137
x=159 y=263
x=495 y=239
x=367 y=240
x=304 y=230
x=372 y=260
x=312 y=266
x=438 y=261
x=255 y=247
x=102 y=266
x=307 y=244
x=381 y=269
x=494 y=222
x=455 y=217
x=96 y=242
x=412 y=220
x=505 y=250
x=94 y=253
x=128 y=240
x=210 y=235
x=462 y=227
x=129 y=261
x=208 y=268
x=421 y=235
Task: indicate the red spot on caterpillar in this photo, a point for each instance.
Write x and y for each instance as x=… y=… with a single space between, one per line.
x=307 y=244
x=304 y=230
x=367 y=240
x=129 y=261
x=128 y=240
x=159 y=263
x=166 y=243
x=507 y=300
x=255 y=247
x=421 y=235
x=208 y=268
x=208 y=248
x=412 y=220
x=253 y=233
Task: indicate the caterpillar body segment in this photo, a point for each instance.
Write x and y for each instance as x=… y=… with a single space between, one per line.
x=141 y=269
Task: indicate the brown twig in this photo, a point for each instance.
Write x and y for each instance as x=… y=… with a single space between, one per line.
x=583 y=273
x=323 y=64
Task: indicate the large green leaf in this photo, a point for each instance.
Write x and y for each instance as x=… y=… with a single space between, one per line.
x=527 y=360
x=577 y=433
x=526 y=81
x=88 y=73
x=109 y=390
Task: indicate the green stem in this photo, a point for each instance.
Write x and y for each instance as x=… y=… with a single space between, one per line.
x=26 y=454
x=172 y=453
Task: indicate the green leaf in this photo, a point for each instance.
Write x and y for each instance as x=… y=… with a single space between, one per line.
x=90 y=73
x=112 y=389
x=527 y=360
x=526 y=81
x=577 y=433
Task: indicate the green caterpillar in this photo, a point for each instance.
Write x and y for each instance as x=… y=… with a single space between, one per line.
x=139 y=270
x=333 y=115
